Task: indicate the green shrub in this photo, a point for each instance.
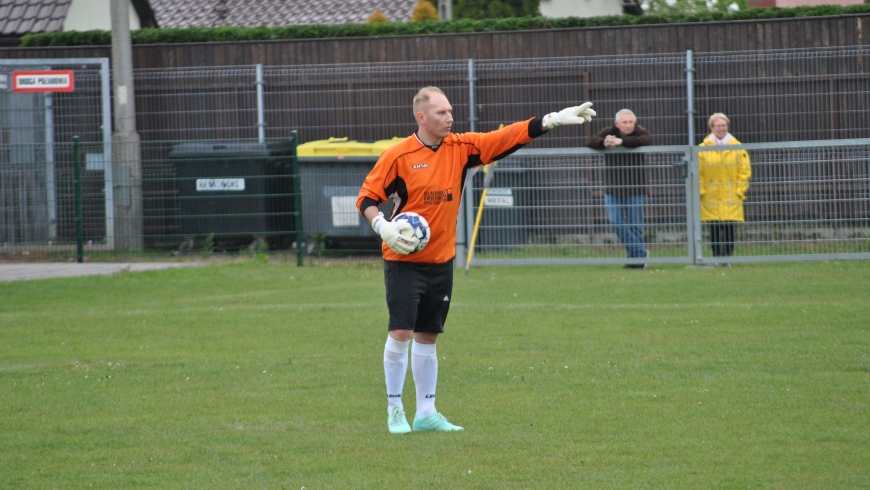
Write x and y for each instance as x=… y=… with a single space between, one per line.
x=235 y=34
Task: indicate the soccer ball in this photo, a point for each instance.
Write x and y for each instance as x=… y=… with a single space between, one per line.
x=419 y=225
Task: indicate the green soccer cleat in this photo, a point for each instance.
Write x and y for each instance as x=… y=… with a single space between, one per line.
x=435 y=422
x=397 y=422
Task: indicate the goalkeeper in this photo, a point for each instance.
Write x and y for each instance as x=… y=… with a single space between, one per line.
x=425 y=174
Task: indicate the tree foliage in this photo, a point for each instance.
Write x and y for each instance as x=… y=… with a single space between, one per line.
x=377 y=17
x=424 y=10
x=495 y=9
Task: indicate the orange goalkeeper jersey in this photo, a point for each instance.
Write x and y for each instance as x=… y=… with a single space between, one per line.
x=430 y=182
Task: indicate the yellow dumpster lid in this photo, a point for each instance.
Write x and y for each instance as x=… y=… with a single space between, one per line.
x=344 y=147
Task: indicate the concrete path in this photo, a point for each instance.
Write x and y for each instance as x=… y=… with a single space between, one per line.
x=24 y=271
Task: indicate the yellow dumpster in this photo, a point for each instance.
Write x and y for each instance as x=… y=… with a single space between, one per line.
x=331 y=173
x=334 y=147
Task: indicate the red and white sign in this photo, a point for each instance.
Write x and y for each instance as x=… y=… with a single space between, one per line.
x=43 y=81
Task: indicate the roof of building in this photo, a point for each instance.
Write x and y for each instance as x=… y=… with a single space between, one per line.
x=19 y=17
x=273 y=13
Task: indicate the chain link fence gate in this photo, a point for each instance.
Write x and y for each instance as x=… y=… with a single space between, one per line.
x=37 y=215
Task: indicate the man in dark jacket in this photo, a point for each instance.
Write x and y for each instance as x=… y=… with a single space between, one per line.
x=625 y=181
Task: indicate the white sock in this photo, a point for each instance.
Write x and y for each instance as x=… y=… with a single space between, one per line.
x=424 y=365
x=395 y=368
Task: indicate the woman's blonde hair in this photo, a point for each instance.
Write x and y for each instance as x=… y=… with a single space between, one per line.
x=718 y=115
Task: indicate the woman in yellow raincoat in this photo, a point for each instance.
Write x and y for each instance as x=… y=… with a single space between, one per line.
x=724 y=176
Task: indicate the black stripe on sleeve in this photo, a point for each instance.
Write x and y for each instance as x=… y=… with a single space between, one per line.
x=536 y=127
x=366 y=203
x=398 y=190
x=507 y=153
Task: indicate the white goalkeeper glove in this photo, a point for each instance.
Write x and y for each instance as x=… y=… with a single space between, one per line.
x=398 y=236
x=572 y=115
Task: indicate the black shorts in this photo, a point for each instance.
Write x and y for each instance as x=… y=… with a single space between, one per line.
x=418 y=295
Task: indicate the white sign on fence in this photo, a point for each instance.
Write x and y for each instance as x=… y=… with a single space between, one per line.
x=499 y=197
x=220 y=185
x=43 y=81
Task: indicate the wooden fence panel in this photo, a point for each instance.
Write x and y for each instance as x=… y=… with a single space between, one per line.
x=592 y=41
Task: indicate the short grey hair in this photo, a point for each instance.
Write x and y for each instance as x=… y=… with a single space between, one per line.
x=422 y=97
x=624 y=112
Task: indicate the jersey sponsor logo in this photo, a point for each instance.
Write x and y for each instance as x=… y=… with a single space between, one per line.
x=437 y=197
x=421 y=165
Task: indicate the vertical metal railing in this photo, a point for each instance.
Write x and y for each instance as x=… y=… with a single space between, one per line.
x=261 y=118
x=297 y=200
x=79 y=208
x=774 y=96
x=465 y=211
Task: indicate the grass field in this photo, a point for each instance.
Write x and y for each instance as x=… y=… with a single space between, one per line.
x=256 y=375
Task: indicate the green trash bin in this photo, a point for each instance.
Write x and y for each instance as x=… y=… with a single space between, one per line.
x=239 y=192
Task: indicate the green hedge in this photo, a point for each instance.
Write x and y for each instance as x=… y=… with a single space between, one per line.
x=222 y=34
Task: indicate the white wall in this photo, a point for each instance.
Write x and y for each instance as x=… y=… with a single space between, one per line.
x=810 y=3
x=87 y=15
x=580 y=8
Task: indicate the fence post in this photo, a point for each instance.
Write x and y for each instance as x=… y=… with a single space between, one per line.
x=108 y=157
x=297 y=199
x=693 y=211
x=466 y=213
x=77 y=177
x=693 y=192
x=690 y=96
x=261 y=118
x=50 y=171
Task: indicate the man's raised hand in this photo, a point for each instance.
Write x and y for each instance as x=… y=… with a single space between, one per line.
x=398 y=236
x=572 y=115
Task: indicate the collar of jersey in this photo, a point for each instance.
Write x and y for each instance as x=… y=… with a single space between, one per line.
x=431 y=147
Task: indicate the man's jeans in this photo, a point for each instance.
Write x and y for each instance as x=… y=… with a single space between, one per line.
x=626 y=217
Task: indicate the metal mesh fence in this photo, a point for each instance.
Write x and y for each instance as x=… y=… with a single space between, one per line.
x=558 y=213
x=182 y=104
x=805 y=200
x=552 y=207
x=36 y=129
x=367 y=102
x=653 y=87
x=812 y=199
x=38 y=203
x=808 y=199
x=786 y=95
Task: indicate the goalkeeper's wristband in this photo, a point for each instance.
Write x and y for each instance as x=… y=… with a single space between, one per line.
x=377 y=222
